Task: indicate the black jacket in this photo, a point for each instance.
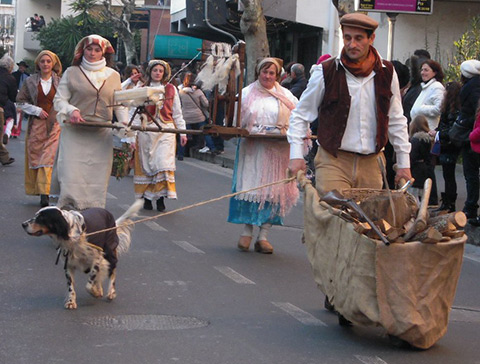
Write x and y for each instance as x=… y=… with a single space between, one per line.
x=420 y=158
x=469 y=96
x=8 y=87
x=298 y=85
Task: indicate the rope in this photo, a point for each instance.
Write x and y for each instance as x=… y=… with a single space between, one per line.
x=286 y=180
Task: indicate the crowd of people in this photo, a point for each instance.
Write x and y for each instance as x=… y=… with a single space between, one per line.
x=407 y=112
x=35 y=23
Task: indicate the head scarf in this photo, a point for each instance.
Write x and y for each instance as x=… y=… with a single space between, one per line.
x=57 y=65
x=166 y=67
x=92 y=39
x=276 y=61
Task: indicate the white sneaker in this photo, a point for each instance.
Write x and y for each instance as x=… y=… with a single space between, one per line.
x=204 y=150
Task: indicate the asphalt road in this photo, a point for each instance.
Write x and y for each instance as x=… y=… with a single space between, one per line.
x=186 y=295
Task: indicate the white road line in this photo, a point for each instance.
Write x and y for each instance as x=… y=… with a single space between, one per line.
x=234 y=276
x=111 y=197
x=370 y=359
x=154 y=226
x=298 y=314
x=150 y=223
x=475 y=258
x=188 y=247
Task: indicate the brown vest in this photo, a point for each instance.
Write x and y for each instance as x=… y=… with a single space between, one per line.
x=335 y=107
x=166 y=111
x=45 y=101
x=90 y=100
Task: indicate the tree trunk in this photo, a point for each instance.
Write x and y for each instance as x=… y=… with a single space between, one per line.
x=254 y=29
x=121 y=24
x=344 y=6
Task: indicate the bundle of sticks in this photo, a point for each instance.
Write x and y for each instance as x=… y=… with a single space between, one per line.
x=425 y=226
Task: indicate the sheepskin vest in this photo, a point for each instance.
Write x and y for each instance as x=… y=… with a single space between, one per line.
x=335 y=107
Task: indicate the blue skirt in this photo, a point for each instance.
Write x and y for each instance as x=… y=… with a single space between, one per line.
x=246 y=212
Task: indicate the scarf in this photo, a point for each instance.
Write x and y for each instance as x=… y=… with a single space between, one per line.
x=95 y=71
x=362 y=69
x=285 y=106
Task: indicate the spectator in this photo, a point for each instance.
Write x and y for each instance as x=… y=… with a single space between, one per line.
x=8 y=91
x=21 y=74
x=36 y=100
x=448 y=151
x=154 y=177
x=195 y=112
x=266 y=107
x=286 y=79
x=84 y=159
x=420 y=157
x=41 y=22
x=131 y=77
x=299 y=82
x=415 y=87
x=469 y=96
x=35 y=23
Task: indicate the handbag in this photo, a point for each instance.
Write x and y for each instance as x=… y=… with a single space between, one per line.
x=459 y=133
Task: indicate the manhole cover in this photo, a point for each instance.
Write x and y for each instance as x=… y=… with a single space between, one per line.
x=460 y=314
x=147 y=322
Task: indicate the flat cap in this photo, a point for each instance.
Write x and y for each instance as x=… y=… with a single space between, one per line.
x=358 y=20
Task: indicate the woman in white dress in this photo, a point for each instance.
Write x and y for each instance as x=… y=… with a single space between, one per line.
x=154 y=177
x=85 y=154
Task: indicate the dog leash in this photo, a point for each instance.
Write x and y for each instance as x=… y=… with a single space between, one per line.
x=286 y=180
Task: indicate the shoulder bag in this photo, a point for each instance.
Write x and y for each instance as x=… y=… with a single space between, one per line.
x=459 y=132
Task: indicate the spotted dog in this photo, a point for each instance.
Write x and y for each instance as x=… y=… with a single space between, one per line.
x=96 y=255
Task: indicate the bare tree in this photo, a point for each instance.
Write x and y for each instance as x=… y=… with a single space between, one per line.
x=254 y=28
x=121 y=24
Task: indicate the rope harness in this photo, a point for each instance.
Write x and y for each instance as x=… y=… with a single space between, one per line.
x=286 y=180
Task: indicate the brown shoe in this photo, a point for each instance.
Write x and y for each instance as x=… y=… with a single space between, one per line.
x=264 y=247
x=244 y=243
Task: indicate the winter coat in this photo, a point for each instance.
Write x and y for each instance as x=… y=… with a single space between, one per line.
x=448 y=151
x=420 y=158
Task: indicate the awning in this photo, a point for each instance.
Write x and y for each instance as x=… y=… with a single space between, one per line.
x=179 y=47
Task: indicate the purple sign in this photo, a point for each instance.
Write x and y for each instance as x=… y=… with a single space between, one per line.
x=396 y=6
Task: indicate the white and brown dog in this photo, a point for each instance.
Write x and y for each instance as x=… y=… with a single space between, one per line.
x=96 y=255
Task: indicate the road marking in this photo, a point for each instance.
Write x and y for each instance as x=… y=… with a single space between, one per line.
x=298 y=314
x=154 y=226
x=188 y=247
x=175 y=283
x=150 y=223
x=212 y=168
x=234 y=276
x=111 y=197
x=475 y=258
x=370 y=359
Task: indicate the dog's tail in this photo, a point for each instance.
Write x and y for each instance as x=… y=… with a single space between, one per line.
x=124 y=231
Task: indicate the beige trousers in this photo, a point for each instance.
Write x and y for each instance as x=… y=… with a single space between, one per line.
x=347 y=170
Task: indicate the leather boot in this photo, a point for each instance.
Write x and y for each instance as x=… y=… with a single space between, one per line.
x=160 y=205
x=44 y=202
x=147 y=204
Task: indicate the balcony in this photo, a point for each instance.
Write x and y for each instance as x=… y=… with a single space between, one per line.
x=30 y=43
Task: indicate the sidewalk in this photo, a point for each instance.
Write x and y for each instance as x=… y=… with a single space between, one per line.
x=227 y=160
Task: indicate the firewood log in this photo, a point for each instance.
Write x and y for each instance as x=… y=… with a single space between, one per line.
x=428 y=236
x=443 y=223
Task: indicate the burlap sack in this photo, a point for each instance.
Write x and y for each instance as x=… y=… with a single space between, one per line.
x=408 y=289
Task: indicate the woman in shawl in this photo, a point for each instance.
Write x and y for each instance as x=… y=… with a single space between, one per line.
x=85 y=154
x=36 y=100
x=154 y=177
x=266 y=108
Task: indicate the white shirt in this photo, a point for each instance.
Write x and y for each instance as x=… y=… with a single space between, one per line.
x=361 y=129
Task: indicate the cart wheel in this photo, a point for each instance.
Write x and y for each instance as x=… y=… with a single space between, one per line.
x=342 y=321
